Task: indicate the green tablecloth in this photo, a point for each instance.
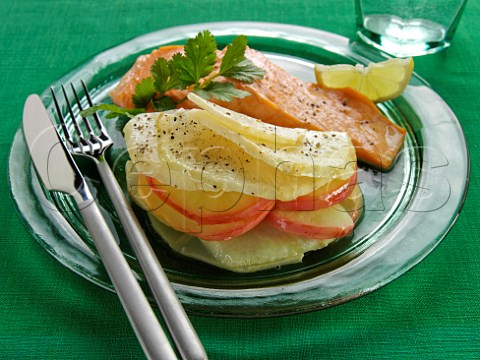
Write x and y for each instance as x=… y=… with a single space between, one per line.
x=48 y=312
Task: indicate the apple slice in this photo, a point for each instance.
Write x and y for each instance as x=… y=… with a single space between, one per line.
x=174 y=216
x=325 y=196
x=217 y=232
x=354 y=204
x=332 y=222
x=207 y=207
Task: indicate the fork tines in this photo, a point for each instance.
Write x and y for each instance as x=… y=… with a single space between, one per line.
x=83 y=136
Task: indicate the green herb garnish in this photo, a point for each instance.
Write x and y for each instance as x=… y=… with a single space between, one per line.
x=193 y=70
x=113 y=111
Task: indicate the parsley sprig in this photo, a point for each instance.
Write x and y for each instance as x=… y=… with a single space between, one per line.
x=194 y=70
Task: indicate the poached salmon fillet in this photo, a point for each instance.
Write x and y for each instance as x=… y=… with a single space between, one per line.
x=284 y=100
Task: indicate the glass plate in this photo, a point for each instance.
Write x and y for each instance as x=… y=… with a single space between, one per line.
x=407 y=210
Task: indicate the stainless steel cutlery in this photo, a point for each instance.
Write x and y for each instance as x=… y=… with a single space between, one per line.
x=51 y=156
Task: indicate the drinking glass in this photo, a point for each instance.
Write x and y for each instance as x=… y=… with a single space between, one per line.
x=408 y=27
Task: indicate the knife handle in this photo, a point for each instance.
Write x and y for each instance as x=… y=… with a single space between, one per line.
x=144 y=322
x=181 y=330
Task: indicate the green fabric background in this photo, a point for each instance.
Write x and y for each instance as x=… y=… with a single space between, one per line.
x=48 y=312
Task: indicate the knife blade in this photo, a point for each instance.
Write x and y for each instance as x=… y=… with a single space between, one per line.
x=53 y=164
x=58 y=171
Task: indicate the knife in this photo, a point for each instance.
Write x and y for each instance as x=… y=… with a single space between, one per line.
x=58 y=172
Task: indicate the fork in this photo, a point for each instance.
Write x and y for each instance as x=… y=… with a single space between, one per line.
x=93 y=143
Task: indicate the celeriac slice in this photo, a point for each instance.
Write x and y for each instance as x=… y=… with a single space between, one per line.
x=178 y=150
x=317 y=154
x=247 y=126
x=261 y=248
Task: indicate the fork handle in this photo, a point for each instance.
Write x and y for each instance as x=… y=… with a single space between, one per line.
x=144 y=322
x=181 y=330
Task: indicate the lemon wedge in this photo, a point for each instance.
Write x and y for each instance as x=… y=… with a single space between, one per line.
x=379 y=81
